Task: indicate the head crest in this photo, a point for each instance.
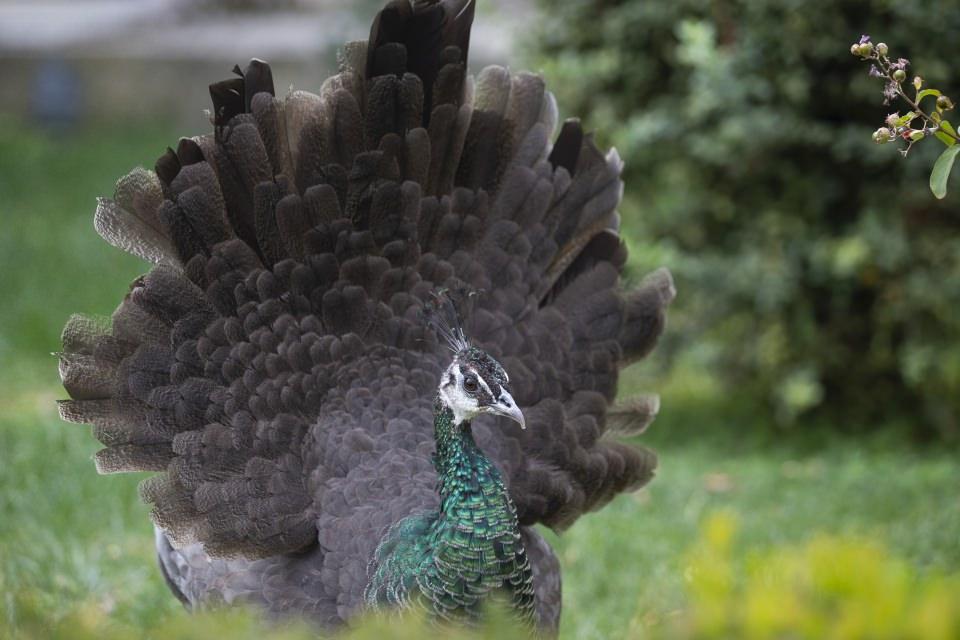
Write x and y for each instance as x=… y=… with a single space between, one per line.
x=444 y=314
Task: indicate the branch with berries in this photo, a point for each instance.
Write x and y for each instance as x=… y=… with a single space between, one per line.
x=916 y=124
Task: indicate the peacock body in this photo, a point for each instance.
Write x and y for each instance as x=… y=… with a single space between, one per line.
x=317 y=450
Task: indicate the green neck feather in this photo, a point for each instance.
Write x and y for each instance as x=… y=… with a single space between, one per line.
x=458 y=458
x=452 y=560
x=476 y=539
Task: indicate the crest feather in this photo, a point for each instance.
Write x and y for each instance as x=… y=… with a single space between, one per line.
x=444 y=314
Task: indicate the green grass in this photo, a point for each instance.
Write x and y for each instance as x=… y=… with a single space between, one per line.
x=74 y=545
x=630 y=559
x=66 y=537
x=51 y=260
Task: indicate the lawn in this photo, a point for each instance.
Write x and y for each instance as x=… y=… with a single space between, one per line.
x=77 y=549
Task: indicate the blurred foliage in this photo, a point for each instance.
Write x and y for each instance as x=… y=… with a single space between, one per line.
x=89 y=620
x=830 y=587
x=815 y=271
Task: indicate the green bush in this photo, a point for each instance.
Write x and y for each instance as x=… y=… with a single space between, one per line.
x=814 y=268
x=831 y=587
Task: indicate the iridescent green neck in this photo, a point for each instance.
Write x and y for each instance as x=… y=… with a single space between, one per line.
x=472 y=548
x=447 y=435
x=476 y=543
x=461 y=465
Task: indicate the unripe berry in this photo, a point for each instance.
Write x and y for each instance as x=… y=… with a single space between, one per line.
x=881 y=135
x=899 y=75
x=855 y=49
x=944 y=103
x=866 y=49
x=882 y=48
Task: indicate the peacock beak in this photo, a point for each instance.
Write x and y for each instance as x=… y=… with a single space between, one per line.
x=505 y=406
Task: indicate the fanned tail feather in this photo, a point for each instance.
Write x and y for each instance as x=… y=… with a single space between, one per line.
x=301 y=238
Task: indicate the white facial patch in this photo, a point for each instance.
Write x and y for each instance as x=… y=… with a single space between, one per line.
x=463 y=405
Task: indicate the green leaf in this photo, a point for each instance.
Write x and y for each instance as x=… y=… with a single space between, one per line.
x=927 y=92
x=941 y=171
x=906 y=119
x=943 y=137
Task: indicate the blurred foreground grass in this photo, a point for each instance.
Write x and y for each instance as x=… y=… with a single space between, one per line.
x=76 y=550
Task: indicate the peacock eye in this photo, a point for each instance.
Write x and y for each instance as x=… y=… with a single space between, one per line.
x=470 y=384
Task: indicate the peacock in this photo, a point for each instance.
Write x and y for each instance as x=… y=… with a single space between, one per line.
x=380 y=339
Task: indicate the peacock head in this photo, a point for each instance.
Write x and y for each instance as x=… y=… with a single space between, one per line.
x=474 y=383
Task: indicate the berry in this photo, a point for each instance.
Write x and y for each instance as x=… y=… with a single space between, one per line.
x=882 y=135
x=882 y=48
x=899 y=75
